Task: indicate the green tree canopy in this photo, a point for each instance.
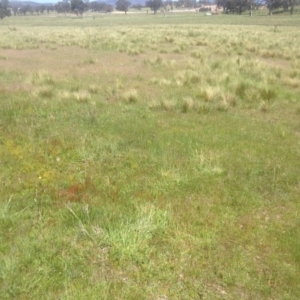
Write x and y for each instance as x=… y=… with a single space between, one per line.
x=154 y=5
x=235 y=6
x=123 y=5
x=285 y=4
x=77 y=6
x=4 y=10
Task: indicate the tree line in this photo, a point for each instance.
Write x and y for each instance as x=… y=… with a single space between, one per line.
x=78 y=7
x=240 y=6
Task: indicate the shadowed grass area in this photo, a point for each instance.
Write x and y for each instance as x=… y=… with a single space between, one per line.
x=149 y=162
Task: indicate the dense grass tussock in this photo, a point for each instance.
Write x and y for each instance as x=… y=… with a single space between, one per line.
x=150 y=157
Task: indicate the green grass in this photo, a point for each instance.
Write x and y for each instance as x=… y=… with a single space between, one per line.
x=145 y=157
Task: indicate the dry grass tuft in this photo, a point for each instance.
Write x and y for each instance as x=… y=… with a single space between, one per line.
x=167 y=104
x=187 y=104
x=82 y=96
x=130 y=96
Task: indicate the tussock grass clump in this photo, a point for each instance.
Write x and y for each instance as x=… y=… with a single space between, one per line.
x=292 y=82
x=177 y=50
x=193 y=33
x=268 y=94
x=165 y=82
x=44 y=92
x=42 y=77
x=130 y=96
x=93 y=88
x=82 y=96
x=268 y=54
x=252 y=48
x=202 y=42
x=229 y=99
x=293 y=74
x=222 y=106
x=208 y=94
x=168 y=104
x=90 y=61
x=264 y=107
x=243 y=89
x=133 y=51
x=65 y=95
x=197 y=54
x=169 y=39
x=203 y=108
x=192 y=77
x=132 y=238
x=163 y=51
x=187 y=104
x=157 y=61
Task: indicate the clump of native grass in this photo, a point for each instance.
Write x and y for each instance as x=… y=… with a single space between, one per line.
x=264 y=107
x=65 y=95
x=93 y=88
x=268 y=94
x=157 y=61
x=169 y=39
x=134 y=50
x=167 y=104
x=82 y=96
x=161 y=81
x=292 y=82
x=90 y=61
x=228 y=99
x=187 y=104
x=208 y=94
x=130 y=96
x=188 y=78
x=43 y=92
x=197 y=54
x=79 y=95
x=42 y=78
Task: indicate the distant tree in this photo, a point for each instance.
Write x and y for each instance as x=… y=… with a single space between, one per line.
x=22 y=11
x=77 y=6
x=42 y=9
x=25 y=9
x=285 y=4
x=236 y=6
x=105 y=7
x=123 y=5
x=274 y=4
x=15 y=10
x=50 y=8
x=31 y=9
x=155 y=5
x=4 y=9
x=94 y=6
x=292 y=4
x=63 y=7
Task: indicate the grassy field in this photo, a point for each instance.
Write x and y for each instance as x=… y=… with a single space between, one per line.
x=150 y=157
